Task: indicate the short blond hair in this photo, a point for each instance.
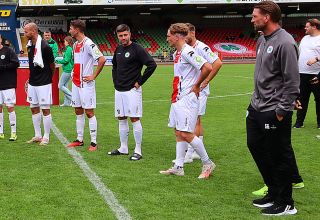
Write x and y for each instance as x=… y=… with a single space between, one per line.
x=179 y=28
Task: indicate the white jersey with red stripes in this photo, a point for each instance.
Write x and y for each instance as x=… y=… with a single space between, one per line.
x=205 y=51
x=187 y=65
x=85 y=54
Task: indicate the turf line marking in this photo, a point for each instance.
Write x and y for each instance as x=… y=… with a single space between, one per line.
x=167 y=100
x=119 y=211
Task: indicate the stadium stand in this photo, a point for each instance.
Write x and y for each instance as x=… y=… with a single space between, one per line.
x=154 y=40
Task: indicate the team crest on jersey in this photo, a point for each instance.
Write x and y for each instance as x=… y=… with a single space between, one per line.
x=2 y=57
x=270 y=49
x=127 y=54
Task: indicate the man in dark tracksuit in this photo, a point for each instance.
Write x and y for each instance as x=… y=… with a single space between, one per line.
x=269 y=116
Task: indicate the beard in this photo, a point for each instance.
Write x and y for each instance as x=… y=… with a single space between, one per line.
x=259 y=27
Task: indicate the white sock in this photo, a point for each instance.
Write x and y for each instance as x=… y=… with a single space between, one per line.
x=13 y=121
x=36 y=120
x=190 y=151
x=93 y=125
x=198 y=146
x=201 y=138
x=80 y=121
x=1 y=123
x=137 y=133
x=123 y=133
x=47 y=122
x=181 y=148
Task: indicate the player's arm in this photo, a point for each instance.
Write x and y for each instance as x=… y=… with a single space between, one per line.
x=47 y=54
x=97 y=55
x=151 y=65
x=205 y=71
x=216 y=65
x=101 y=62
x=288 y=59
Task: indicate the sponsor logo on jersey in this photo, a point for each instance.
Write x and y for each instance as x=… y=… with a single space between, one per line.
x=191 y=53
x=231 y=48
x=2 y=57
x=206 y=49
x=127 y=54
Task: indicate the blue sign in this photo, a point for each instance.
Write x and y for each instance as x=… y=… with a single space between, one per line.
x=8 y=24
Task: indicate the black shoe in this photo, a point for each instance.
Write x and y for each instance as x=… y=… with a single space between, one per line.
x=116 y=153
x=298 y=125
x=135 y=156
x=264 y=202
x=318 y=126
x=277 y=210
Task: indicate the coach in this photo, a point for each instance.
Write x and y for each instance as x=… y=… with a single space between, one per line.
x=269 y=116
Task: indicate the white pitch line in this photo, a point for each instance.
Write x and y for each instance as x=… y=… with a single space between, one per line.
x=167 y=100
x=119 y=211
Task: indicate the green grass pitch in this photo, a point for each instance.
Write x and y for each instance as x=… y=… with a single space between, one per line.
x=45 y=183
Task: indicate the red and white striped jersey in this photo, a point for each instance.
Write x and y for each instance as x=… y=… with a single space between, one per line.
x=85 y=53
x=205 y=51
x=187 y=65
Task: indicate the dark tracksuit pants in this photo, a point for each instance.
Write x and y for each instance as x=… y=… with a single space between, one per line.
x=269 y=142
x=305 y=90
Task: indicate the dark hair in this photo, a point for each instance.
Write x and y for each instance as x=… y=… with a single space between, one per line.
x=122 y=28
x=191 y=27
x=314 y=23
x=69 y=40
x=47 y=31
x=270 y=8
x=179 y=28
x=80 y=24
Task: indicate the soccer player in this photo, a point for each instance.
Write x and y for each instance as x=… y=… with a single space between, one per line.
x=9 y=63
x=128 y=61
x=203 y=50
x=190 y=70
x=41 y=65
x=52 y=43
x=83 y=82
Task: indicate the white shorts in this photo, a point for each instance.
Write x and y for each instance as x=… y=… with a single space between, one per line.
x=39 y=95
x=128 y=103
x=203 y=97
x=184 y=113
x=84 y=97
x=8 y=97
